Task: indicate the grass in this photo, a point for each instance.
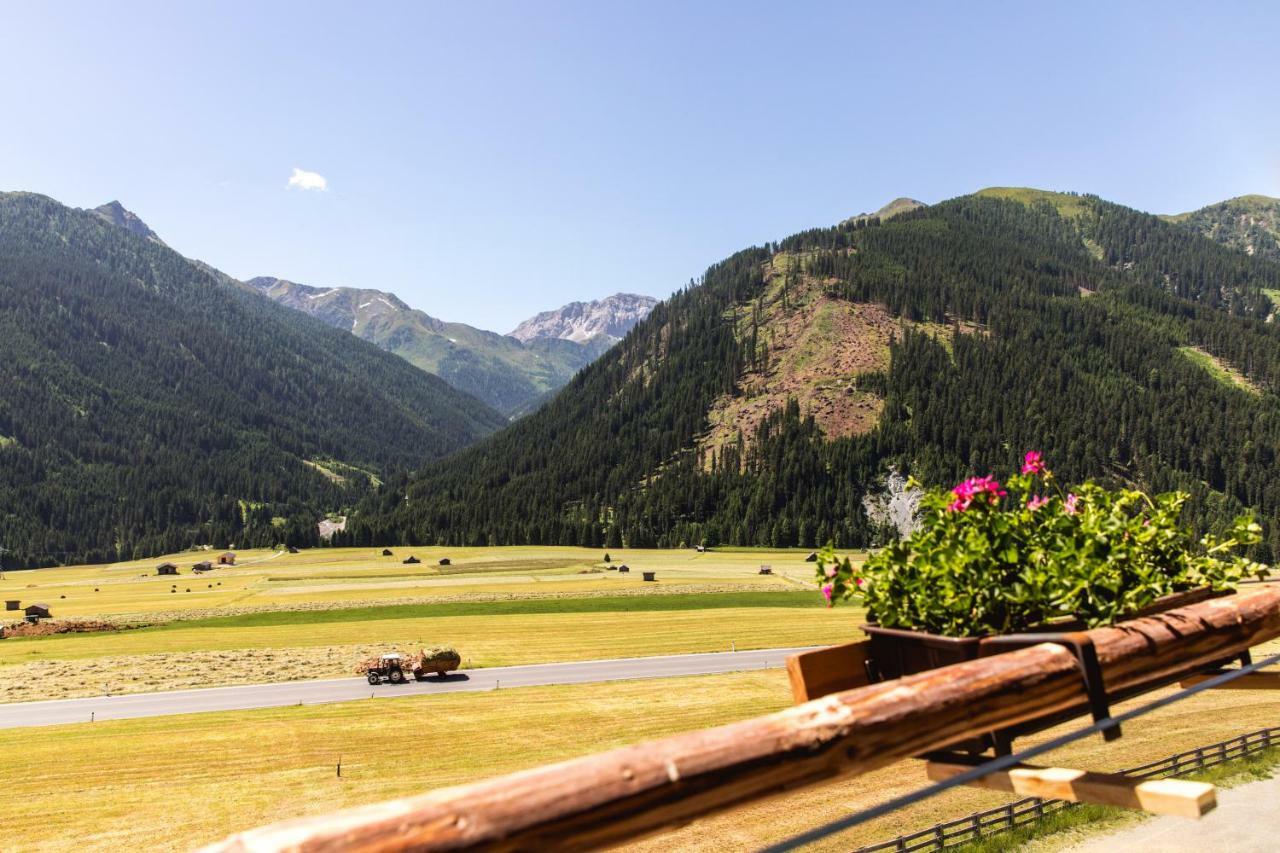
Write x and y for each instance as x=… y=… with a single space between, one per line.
x=1273 y=295
x=170 y=782
x=1068 y=206
x=1219 y=369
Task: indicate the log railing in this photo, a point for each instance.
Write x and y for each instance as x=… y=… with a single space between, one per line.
x=612 y=797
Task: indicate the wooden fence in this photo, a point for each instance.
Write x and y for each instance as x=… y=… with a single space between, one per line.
x=1025 y=812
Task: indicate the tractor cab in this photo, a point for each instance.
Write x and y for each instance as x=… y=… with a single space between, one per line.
x=390 y=668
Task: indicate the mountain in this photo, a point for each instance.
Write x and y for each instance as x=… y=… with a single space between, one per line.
x=890 y=210
x=503 y=372
x=149 y=406
x=1249 y=223
x=766 y=404
x=609 y=318
x=116 y=214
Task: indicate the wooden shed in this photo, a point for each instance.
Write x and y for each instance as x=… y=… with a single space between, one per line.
x=386 y=552
x=293 y=549
x=411 y=561
x=166 y=569
x=812 y=558
x=39 y=610
x=766 y=570
x=13 y=604
x=624 y=568
x=444 y=561
x=201 y=567
x=650 y=576
x=227 y=559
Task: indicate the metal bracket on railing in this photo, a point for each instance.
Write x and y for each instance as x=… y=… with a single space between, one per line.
x=1080 y=644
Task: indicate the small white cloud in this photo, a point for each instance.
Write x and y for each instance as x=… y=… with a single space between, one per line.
x=304 y=180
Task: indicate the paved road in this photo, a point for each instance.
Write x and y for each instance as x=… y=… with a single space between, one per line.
x=244 y=697
x=1245 y=821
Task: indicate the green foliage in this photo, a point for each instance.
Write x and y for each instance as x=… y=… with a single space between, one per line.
x=146 y=399
x=991 y=561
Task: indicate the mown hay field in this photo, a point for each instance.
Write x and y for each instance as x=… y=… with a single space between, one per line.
x=177 y=782
x=277 y=617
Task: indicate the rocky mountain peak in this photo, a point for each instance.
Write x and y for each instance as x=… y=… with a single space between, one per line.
x=611 y=317
x=121 y=217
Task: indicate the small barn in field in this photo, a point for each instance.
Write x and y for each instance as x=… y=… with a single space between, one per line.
x=201 y=567
x=444 y=561
x=411 y=561
x=166 y=569
x=293 y=549
x=227 y=559
x=13 y=604
x=386 y=552
x=38 y=610
x=812 y=558
x=624 y=568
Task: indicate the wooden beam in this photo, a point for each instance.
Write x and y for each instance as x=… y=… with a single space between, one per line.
x=1248 y=681
x=1176 y=797
x=617 y=796
x=821 y=672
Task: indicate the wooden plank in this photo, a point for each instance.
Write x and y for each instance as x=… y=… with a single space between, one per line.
x=821 y=672
x=612 y=797
x=1177 y=797
x=1248 y=681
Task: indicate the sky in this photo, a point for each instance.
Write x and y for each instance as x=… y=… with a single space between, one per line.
x=486 y=161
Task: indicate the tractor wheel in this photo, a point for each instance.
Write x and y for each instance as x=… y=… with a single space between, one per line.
x=397 y=676
x=374 y=678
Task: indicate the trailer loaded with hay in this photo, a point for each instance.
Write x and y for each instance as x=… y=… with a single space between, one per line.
x=398 y=668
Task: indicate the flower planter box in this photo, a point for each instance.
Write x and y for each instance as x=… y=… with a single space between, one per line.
x=893 y=652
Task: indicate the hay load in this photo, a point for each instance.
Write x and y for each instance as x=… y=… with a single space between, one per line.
x=437 y=660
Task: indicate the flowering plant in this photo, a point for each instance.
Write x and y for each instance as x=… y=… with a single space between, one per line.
x=994 y=559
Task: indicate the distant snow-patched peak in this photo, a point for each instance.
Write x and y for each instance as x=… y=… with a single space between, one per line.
x=121 y=217
x=611 y=317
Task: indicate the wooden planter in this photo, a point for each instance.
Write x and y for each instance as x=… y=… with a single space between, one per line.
x=893 y=652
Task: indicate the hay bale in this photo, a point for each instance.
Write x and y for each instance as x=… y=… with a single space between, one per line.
x=437 y=659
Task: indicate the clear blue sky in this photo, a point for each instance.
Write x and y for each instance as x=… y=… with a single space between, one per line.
x=489 y=160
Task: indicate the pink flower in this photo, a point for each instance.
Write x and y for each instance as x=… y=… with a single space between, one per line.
x=1032 y=463
x=972 y=489
x=826 y=593
x=830 y=571
x=1036 y=501
x=1071 y=504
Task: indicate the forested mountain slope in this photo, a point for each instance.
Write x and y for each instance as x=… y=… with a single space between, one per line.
x=761 y=405
x=1250 y=223
x=148 y=406
x=506 y=373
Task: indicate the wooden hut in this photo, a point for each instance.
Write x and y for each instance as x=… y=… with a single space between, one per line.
x=812 y=558
x=35 y=612
x=386 y=552
x=13 y=604
x=227 y=559
x=411 y=561
x=166 y=569
x=293 y=549
x=444 y=561
x=201 y=567
x=766 y=570
x=624 y=568
x=649 y=576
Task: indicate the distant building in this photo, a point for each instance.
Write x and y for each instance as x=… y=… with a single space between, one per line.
x=36 y=611
x=166 y=569
x=386 y=552
x=444 y=561
x=227 y=559
x=412 y=561
x=13 y=604
x=206 y=566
